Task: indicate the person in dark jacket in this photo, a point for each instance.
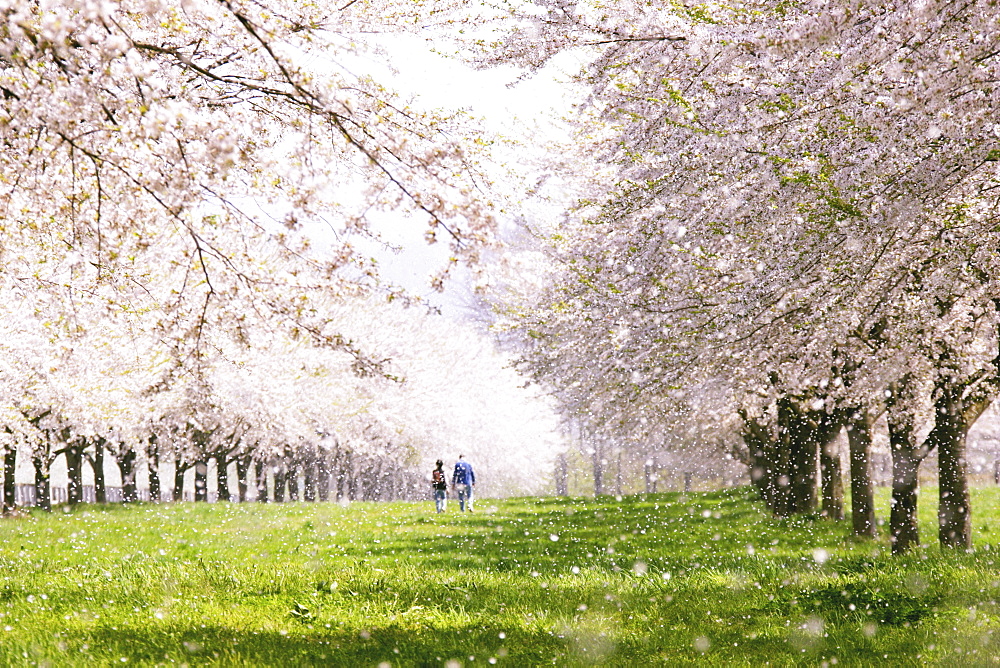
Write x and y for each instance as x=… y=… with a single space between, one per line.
x=439 y=483
x=463 y=480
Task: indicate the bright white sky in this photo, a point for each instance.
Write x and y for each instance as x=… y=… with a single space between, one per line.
x=525 y=110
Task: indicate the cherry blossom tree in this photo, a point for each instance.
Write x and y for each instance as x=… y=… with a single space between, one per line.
x=212 y=133
x=92 y=388
x=802 y=205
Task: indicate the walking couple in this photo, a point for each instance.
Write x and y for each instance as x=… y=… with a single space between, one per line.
x=463 y=480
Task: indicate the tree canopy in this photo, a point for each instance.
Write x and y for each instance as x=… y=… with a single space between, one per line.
x=794 y=202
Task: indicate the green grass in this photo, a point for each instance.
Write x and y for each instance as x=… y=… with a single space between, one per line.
x=668 y=579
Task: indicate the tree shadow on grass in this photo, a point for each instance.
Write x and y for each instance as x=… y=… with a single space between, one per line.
x=663 y=531
x=420 y=645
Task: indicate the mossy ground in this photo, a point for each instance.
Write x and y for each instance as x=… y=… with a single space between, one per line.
x=666 y=579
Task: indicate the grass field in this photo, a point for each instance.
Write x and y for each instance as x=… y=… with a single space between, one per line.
x=668 y=579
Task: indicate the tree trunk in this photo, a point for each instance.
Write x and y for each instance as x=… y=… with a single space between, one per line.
x=9 y=480
x=958 y=404
x=279 y=484
x=859 y=438
x=337 y=474
x=179 y=470
x=954 y=507
x=388 y=490
x=260 y=480
x=43 y=498
x=309 y=480
x=366 y=486
x=242 y=473
x=562 y=475
x=201 y=481
x=799 y=439
x=598 y=462
x=383 y=485
x=353 y=481
x=768 y=474
x=126 y=465
x=292 y=479
x=222 y=478
x=74 y=474
x=343 y=484
x=905 y=463
x=153 y=470
x=100 y=484
x=323 y=476
x=832 y=479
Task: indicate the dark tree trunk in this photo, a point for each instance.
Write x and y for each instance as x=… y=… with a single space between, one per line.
x=383 y=485
x=598 y=463
x=279 y=483
x=337 y=474
x=242 y=475
x=323 y=476
x=309 y=480
x=179 y=470
x=201 y=481
x=126 y=465
x=222 y=478
x=43 y=497
x=562 y=475
x=343 y=485
x=353 y=478
x=798 y=437
x=365 y=481
x=949 y=436
x=859 y=437
x=74 y=473
x=345 y=478
x=153 y=470
x=260 y=480
x=957 y=406
x=954 y=507
x=761 y=474
x=380 y=485
x=401 y=484
x=100 y=484
x=371 y=480
x=387 y=488
x=905 y=463
x=832 y=479
x=292 y=480
x=780 y=462
x=765 y=461
x=9 y=480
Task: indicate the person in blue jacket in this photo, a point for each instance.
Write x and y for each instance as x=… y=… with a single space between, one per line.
x=463 y=480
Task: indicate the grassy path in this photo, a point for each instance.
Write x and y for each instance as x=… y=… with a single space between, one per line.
x=667 y=579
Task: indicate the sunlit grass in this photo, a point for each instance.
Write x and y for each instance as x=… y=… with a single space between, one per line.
x=663 y=579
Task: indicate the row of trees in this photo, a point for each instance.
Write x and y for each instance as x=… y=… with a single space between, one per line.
x=189 y=254
x=321 y=472
x=785 y=226
x=269 y=404
x=789 y=228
